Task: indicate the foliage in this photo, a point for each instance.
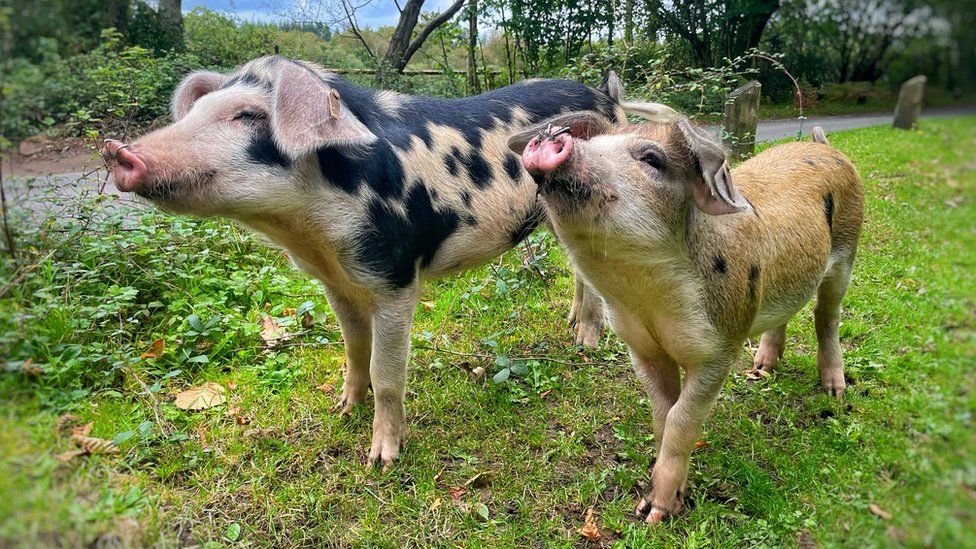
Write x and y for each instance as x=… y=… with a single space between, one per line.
x=512 y=463
x=101 y=89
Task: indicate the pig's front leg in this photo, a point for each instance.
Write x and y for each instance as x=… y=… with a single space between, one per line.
x=356 y=323
x=681 y=428
x=586 y=315
x=662 y=382
x=388 y=373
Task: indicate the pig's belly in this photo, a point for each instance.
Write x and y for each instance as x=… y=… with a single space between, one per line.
x=777 y=309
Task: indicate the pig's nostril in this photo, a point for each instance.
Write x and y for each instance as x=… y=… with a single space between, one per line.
x=126 y=165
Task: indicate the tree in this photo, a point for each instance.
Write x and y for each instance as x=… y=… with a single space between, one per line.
x=403 y=43
x=714 y=29
x=171 y=17
x=474 y=84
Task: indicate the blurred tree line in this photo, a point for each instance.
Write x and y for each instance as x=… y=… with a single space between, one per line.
x=56 y=53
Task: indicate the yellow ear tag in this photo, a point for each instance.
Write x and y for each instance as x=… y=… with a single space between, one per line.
x=334 y=104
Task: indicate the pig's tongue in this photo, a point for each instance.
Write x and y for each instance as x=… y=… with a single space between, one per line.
x=544 y=154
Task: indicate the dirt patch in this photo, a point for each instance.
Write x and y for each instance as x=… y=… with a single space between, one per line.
x=53 y=157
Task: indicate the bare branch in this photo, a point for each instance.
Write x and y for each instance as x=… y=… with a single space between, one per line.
x=431 y=26
x=351 y=17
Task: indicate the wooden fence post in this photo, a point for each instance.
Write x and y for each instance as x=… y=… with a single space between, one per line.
x=910 y=102
x=741 y=119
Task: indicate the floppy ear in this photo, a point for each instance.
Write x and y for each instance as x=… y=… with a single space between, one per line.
x=714 y=192
x=193 y=87
x=581 y=124
x=612 y=86
x=307 y=113
x=652 y=112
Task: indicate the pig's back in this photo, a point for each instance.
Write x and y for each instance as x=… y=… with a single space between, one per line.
x=808 y=204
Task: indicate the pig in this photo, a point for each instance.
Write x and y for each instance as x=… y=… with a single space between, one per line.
x=370 y=192
x=692 y=258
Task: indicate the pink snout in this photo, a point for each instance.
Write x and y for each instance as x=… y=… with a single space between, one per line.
x=544 y=154
x=129 y=172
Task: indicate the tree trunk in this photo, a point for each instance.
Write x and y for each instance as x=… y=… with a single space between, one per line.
x=171 y=16
x=629 y=21
x=402 y=47
x=474 y=83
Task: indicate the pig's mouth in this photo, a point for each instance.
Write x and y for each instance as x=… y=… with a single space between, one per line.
x=173 y=191
x=555 y=163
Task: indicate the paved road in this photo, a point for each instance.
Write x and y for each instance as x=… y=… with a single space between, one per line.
x=770 y=130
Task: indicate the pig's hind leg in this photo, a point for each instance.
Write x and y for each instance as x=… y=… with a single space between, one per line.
x=586 y=315
x=388 y=374
x=356 y=323
x=826 y=313
x=771 y=348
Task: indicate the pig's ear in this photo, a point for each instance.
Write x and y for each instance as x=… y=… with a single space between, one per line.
x=612 y=86
x=307 y=114
x=652 y=112
x=193 y=87
x=713 y=192
x=581 y=124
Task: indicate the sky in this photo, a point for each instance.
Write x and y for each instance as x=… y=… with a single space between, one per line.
x=377 y=13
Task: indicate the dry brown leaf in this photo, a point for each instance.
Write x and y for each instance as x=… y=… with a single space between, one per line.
x=82 y=430
x=436 y=504
x=701 y=444
x=307 y=320
x=590 y=530
x=456 y=492
x=202 y=437
x=879 y=512
x=429 y=305
x=64 y=422
x=270 y=331
x=66 y=457
x=289 y=311
x=326 y=388
x=28 y=368
x=205 y=396
x=94 y=445
x=155 y=351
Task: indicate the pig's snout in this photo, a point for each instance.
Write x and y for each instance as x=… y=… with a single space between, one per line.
x=545 y=153
x=128 y=171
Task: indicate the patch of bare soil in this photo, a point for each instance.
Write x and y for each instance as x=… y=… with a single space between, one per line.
x=50 y=156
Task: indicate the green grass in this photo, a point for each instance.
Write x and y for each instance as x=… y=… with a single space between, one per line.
x=784 y=463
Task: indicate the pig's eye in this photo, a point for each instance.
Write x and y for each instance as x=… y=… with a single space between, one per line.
x=250 y=116
x=653 y=159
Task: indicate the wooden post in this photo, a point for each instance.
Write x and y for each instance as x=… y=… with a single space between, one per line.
x=741 y=119
x=910 y=102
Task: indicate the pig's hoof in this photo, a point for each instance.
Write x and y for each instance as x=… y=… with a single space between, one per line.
x=346 y=403
x=832 y=380
x=384 y=450
x=765 y=359
x=653 y=513
x=588 y=334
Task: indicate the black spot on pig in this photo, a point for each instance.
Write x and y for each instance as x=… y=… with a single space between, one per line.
x=829 y=209
x=839 y=160
x=377 y=166
x=393 y=245
x=434 y=194
x=753 y=281
x=719 y=265
x=466 y=198
x=513 y=168
x=810 y=162
x=479 y=170
x=263 y=150
x=528 y=224
x=248 y=79
x=450 y=161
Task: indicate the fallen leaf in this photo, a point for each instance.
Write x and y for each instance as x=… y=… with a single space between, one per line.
x=82 y=430
x=326 y=388
x=482 y=510
x=202 y=437
x=155 y=351
x=437 y=477
x=270 y=331
x=590 y=530
x=478 y=372
x=94 y=445
x=231 y=385
x=701 y=444
x=756 y=374
x=289 y=311
x=307 y=320
x=878 y=511
x=66 y=457
x=429 y=305
x=436 y=504
x=205 y=396
x=545 y=393
x=260 y=432
x=28 y=368
x=64 y=422
x=477 y=481
x=456 y=492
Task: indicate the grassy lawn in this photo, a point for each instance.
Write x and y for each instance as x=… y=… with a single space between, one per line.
x=516 y=462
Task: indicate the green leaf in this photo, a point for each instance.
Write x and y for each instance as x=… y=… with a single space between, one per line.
x=123 y=436
x=481 y=509
x=502 y=375
x=503 y=361
x=194 y=322
x=233 y=532
x=200 y=359
x=144 y=429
